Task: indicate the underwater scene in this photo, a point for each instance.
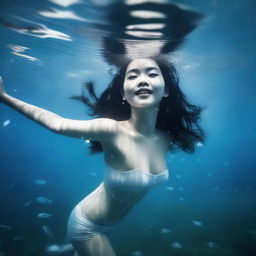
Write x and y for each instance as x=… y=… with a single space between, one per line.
x=51 y=49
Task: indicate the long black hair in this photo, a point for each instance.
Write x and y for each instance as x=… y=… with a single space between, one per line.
x=176 y=116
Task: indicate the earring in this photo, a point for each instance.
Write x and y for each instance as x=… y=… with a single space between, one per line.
x=123 y=101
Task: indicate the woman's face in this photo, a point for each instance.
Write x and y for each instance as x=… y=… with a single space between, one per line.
x=144 y=85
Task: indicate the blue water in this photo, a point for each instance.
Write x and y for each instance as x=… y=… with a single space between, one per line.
x=208 y=206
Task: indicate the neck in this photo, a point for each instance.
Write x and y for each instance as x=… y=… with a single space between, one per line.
x=143 y=120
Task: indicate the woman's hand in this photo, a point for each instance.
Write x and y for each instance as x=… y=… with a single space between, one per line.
x=2 y=90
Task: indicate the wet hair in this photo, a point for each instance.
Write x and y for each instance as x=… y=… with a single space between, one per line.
x=176 y=116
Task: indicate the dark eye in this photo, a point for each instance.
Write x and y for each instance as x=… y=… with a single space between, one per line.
x=131 y=77
x=153 y=75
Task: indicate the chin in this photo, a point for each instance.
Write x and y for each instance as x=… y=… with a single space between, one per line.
x=148 y=104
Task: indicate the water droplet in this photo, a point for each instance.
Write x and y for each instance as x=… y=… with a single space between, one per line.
x=165 y=231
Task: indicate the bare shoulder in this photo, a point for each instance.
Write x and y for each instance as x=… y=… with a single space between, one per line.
x=105 y=125
x=124 y=129
x=106 y=121
x=122 y=125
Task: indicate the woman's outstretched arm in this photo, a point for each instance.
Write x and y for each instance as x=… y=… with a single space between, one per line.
x=97 y=129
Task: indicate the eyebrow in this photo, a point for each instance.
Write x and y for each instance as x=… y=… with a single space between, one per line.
x=147 y=69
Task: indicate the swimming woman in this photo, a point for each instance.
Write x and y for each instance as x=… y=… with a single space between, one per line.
x=141 y=116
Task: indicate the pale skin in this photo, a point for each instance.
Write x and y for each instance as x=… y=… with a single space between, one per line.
x=131 y=144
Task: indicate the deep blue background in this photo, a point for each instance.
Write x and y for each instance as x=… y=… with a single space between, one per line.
x=216 y=185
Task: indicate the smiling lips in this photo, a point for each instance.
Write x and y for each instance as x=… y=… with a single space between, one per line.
x=143 y=92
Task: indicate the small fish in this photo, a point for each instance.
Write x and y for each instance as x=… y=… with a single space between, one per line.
x=176 y=245
x=55 y=249
x=12 y=185
x=18 y=238
x=87 y=141
x=216 y=189
x=178 y=176
x=6 y=122
x=181 y=188
x=165 y=231
x=52 y=248
x=5 y=226
x=43 y=200
x=170 y=188
x=226 y=164
x=40 y=182
x=136 y=253
x=187 y=66
x=47 y=230
x=44 y=215
x=93 y=174
x=213 y=245
x=27 y=204
x=197 y=223
x=181 y=199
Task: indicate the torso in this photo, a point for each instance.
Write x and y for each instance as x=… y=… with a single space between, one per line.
x=129 y=150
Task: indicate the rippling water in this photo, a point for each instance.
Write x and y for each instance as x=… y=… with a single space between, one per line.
x=134 y=28
x=49 y=48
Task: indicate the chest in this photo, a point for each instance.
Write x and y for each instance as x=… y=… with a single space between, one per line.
x=145 y=148
x=129 y=152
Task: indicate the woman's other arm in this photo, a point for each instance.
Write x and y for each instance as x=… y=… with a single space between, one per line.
x=97 y=129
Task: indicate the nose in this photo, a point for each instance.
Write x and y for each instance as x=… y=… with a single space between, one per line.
x=142 y=83
x=143 y=80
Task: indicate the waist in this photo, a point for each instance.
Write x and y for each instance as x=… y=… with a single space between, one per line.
x=107 y=206
x=134 y=180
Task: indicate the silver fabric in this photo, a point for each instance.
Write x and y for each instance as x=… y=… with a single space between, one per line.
x=81 y=228
x=134 y=180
